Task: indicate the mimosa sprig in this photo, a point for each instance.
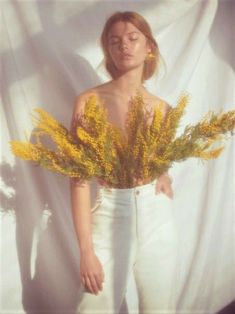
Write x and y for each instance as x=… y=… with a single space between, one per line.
x=148 y=148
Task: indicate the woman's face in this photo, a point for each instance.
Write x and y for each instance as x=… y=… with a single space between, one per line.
x=127 y=46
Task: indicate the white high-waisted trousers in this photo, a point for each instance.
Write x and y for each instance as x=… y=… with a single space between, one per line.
x=133 y=230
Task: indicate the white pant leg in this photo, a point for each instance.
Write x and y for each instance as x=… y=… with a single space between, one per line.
x=155 y=268
x=113 y=233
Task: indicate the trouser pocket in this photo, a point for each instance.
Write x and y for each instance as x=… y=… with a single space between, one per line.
x=97 y=204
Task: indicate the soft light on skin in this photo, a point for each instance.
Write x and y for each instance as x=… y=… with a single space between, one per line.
x=123 y=38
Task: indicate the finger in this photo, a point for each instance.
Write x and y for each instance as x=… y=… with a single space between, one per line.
x=169 y=193
x=166 y=188
x=101 y=276
x=158 y=188
x=99 y=282
x=88 y=284
x=83 y=281
x=94 y=285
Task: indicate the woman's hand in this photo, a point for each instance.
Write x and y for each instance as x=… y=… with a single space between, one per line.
x=91 y=271
x=163 y=185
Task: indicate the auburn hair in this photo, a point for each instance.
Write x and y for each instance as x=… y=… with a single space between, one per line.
x=151 y=65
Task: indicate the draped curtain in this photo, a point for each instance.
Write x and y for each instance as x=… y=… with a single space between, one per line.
x=50 y=52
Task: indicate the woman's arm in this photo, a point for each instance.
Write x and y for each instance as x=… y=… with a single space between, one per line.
x=91 y=270
x=80 y=205
x=80 y=194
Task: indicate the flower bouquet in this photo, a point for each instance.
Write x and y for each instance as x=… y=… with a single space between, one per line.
x=97 y=148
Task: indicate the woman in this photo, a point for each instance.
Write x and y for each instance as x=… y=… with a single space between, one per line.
x=127 y=229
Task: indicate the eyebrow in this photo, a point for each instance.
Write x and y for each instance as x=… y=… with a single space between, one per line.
x=119 y=36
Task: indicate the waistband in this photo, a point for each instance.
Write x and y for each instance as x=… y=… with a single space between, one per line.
x=141 y=189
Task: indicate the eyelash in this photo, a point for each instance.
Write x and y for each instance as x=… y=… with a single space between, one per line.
x=132 y=39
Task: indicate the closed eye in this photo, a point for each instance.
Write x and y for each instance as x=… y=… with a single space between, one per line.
x=116 y=42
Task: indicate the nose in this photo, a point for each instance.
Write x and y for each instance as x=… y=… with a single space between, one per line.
x=123 y=45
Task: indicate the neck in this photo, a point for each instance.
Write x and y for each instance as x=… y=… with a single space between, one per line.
x=129 y=83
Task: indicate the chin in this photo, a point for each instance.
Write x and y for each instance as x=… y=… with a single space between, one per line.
x=128 y=67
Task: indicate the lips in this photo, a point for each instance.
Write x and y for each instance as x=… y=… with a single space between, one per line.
x=126 y=55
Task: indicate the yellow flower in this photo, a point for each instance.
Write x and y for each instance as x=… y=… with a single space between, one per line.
x=25 y=150
x=101 y=149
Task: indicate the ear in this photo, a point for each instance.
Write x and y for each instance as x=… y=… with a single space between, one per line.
x=149 y=46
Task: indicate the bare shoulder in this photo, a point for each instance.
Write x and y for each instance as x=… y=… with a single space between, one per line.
x=78 y=109
x=81 y=99
x=97 y=91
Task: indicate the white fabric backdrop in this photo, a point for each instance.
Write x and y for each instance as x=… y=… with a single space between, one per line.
x=50 y=53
